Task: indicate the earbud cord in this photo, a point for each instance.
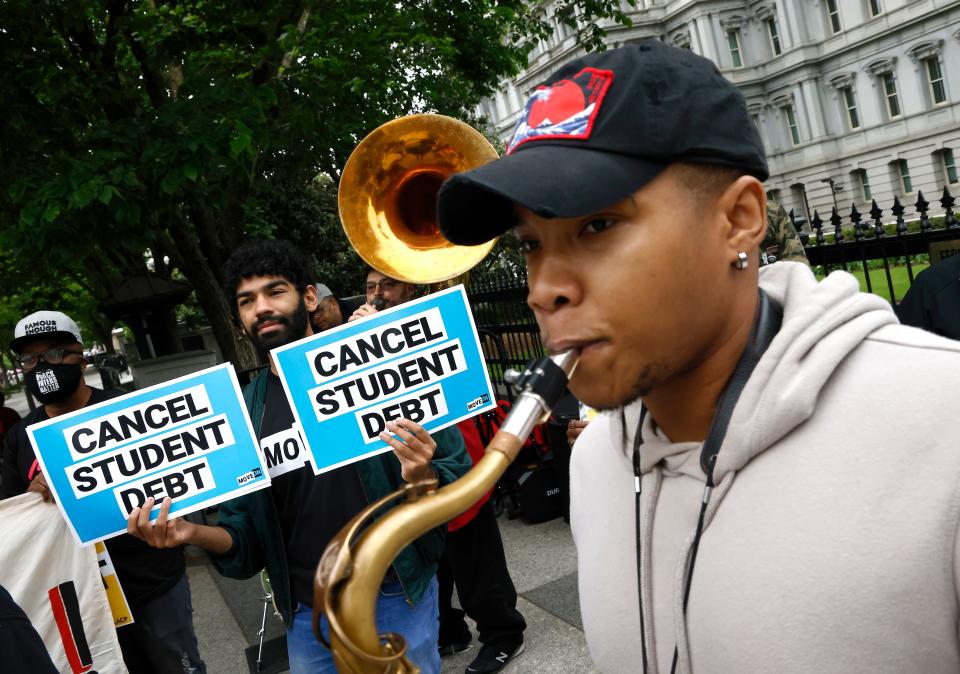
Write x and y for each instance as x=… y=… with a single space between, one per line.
x=637 y=441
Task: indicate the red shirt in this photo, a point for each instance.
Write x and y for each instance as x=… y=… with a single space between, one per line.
x=476 y=450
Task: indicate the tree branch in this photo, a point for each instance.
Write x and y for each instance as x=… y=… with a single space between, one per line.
x=268 y=68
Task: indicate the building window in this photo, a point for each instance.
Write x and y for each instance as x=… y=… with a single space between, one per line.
x=935 y=80
x=774 y=33
x=875 y=7
x=733 y=41
x=864 y=181
x=949 y=166
x=890 y=94
x=850 y=103
x=834 y=13
x=791 y=116
x=906 y=184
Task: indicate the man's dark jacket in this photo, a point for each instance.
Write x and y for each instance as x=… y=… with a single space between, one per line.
x=252 y=521
x=933 y=301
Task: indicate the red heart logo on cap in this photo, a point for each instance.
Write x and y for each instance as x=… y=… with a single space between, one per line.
x=556 y=103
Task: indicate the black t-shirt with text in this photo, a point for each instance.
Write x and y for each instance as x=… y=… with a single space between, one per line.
x=312 y=508
x=144 y=572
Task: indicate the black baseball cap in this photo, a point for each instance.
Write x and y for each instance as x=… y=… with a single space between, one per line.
x=599 y=129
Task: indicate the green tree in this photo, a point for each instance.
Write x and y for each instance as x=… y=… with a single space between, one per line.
x=168 y=126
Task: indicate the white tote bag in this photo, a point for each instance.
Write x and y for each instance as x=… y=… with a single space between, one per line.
x=57 y=583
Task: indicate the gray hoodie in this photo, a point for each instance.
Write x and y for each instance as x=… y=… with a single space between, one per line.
x=830 y=541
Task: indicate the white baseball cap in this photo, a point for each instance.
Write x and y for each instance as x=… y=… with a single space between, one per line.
x=43 y=324
x=323 y=291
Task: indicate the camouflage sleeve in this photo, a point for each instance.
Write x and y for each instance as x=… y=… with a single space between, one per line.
x=782 y=241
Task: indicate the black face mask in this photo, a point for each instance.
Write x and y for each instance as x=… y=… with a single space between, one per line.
x=53 y=383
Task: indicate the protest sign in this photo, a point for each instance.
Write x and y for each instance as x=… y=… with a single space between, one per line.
x=420 y=360
x=189 y=439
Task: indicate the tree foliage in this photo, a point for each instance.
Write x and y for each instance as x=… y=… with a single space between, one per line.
x=182 y=128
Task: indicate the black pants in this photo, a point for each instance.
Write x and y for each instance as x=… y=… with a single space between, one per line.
x=474 y=560
x=161 y=639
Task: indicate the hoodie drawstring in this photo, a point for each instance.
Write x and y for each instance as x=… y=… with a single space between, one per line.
x=765 y=326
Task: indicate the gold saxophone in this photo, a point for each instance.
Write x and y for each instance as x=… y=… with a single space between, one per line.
x=357 y=559
x=387 y=205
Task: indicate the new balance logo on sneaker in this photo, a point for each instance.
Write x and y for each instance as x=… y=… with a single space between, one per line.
x=493 y=658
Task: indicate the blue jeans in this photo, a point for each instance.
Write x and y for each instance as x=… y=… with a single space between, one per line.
x=419 y=625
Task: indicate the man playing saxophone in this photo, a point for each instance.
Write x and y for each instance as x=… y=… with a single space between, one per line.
x=767 y=487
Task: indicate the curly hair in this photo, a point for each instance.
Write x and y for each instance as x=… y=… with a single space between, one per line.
x=266 y=257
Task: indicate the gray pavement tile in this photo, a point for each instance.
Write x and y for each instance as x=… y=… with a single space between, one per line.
x=537 y=553
x=560 y=598
x=220 y=639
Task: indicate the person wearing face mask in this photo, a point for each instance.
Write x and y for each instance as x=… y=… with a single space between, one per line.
x=50 y=352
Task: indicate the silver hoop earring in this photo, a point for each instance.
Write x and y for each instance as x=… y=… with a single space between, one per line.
x=742 y=261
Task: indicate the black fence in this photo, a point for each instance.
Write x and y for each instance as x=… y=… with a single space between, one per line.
x=882 y=240
x=888 y=247
x=509 y=334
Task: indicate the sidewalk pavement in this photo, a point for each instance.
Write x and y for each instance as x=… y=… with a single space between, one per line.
x=542 y=561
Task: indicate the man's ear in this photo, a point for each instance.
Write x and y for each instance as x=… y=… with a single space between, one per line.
x=310 y=298
x=744 y=205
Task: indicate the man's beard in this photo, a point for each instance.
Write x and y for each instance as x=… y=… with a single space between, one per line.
x=292 y=328
x=642 y=386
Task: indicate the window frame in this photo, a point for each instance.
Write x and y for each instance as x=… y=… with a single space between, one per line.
x=906 y=181
x=874 y=8
x=773 y=35
x=833 y=16
x=850 y=106
x=928 y=76
x=864 y=181
x=949 y=167
x=793 y=125
x=736 y=55
x=891 y=78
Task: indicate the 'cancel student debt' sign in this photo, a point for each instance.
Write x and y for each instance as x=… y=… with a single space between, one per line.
x=189 y=439
x=420 y=360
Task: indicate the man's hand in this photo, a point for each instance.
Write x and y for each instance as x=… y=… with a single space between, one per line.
x=414 y=449
x=362 y=311
x=164 y=533
x=39 y=485
x=574 y=429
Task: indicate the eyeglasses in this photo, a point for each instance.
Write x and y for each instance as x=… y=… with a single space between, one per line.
x=52 y=356
x=386 y=285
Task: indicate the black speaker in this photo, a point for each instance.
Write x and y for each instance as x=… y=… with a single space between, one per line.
x=538 y=495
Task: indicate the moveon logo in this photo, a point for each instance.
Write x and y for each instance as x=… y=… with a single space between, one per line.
x=474 y=404
x=252 y=475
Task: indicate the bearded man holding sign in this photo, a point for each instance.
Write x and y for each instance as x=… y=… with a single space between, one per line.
x=286 y=528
